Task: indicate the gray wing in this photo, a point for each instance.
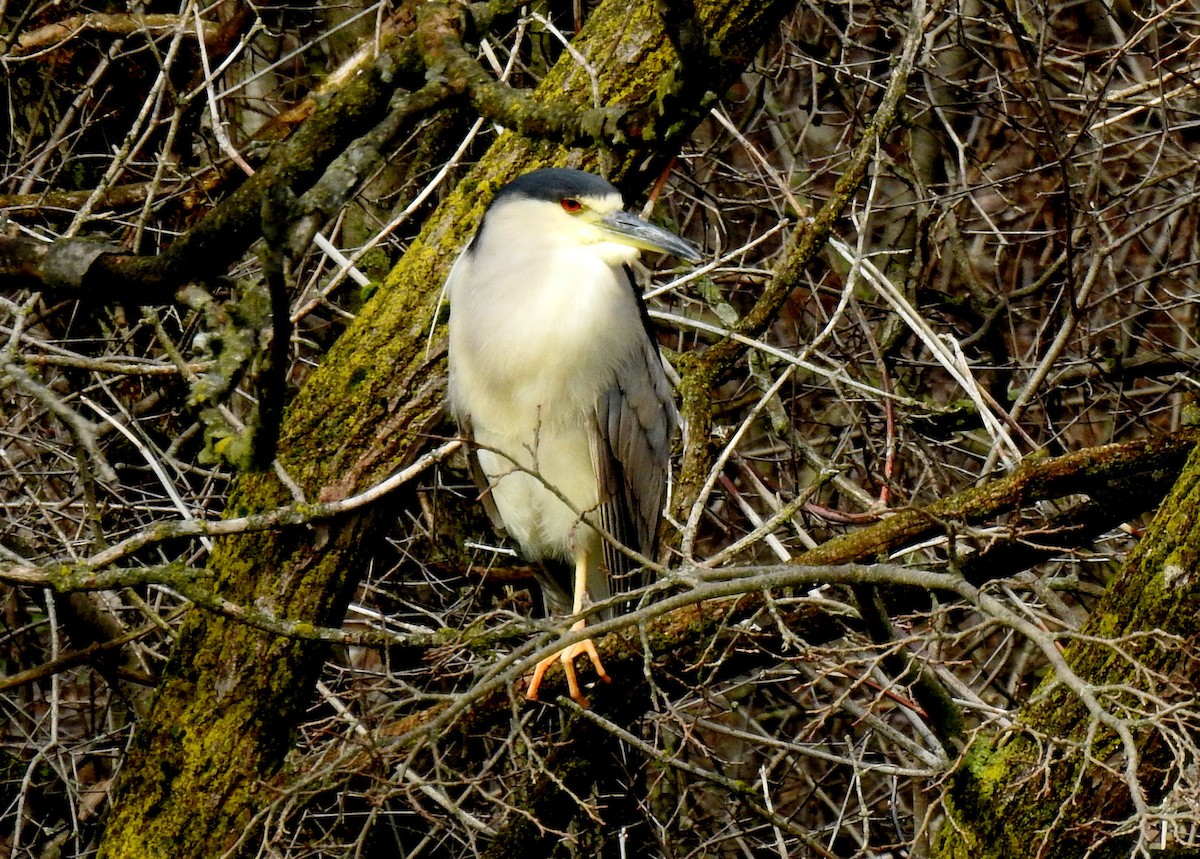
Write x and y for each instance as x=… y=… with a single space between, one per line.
x=636 y=420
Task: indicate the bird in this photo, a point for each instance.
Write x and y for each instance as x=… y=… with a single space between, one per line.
x=557 y=384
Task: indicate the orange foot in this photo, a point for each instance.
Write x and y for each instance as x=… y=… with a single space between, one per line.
x=567 y=657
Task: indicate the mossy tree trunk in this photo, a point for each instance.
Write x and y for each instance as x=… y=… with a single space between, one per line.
x=1053 y=785
x=222 y=718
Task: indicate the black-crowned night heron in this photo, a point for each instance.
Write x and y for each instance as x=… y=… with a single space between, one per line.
x=554 y=375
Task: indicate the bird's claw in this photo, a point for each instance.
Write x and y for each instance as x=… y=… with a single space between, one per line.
x=567 y=657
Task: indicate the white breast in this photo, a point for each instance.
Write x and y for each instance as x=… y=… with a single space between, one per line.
x=528 y=363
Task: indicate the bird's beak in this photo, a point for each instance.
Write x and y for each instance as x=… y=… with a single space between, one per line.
x=627 y=229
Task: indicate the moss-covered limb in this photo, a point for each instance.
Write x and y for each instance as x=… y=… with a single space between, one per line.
x=440 y=31
x=221 y=721
x=33 y=205
x=703 y=371
x=1092 y=470
x=1082 y=472
x=679 y=635
x=345 y=115
x=1078 y=523
x=1095 y=470
x=228 y=230
x=439 y=34
x=678 y=630
x=1033 y=793
x=192 y=583
x=347 y=175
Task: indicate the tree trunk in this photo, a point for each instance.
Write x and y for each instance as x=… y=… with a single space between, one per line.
x=1053 y=785
x=230 y=697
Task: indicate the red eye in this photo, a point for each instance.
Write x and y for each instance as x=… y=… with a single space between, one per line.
x=570 y=206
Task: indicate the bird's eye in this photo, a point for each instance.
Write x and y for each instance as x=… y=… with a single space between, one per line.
x=570 y=205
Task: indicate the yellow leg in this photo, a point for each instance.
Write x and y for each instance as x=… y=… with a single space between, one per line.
x=567 y=655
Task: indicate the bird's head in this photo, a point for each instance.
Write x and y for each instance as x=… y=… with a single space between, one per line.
x=568 y=207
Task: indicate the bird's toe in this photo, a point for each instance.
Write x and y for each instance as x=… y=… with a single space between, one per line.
x=567 y=657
